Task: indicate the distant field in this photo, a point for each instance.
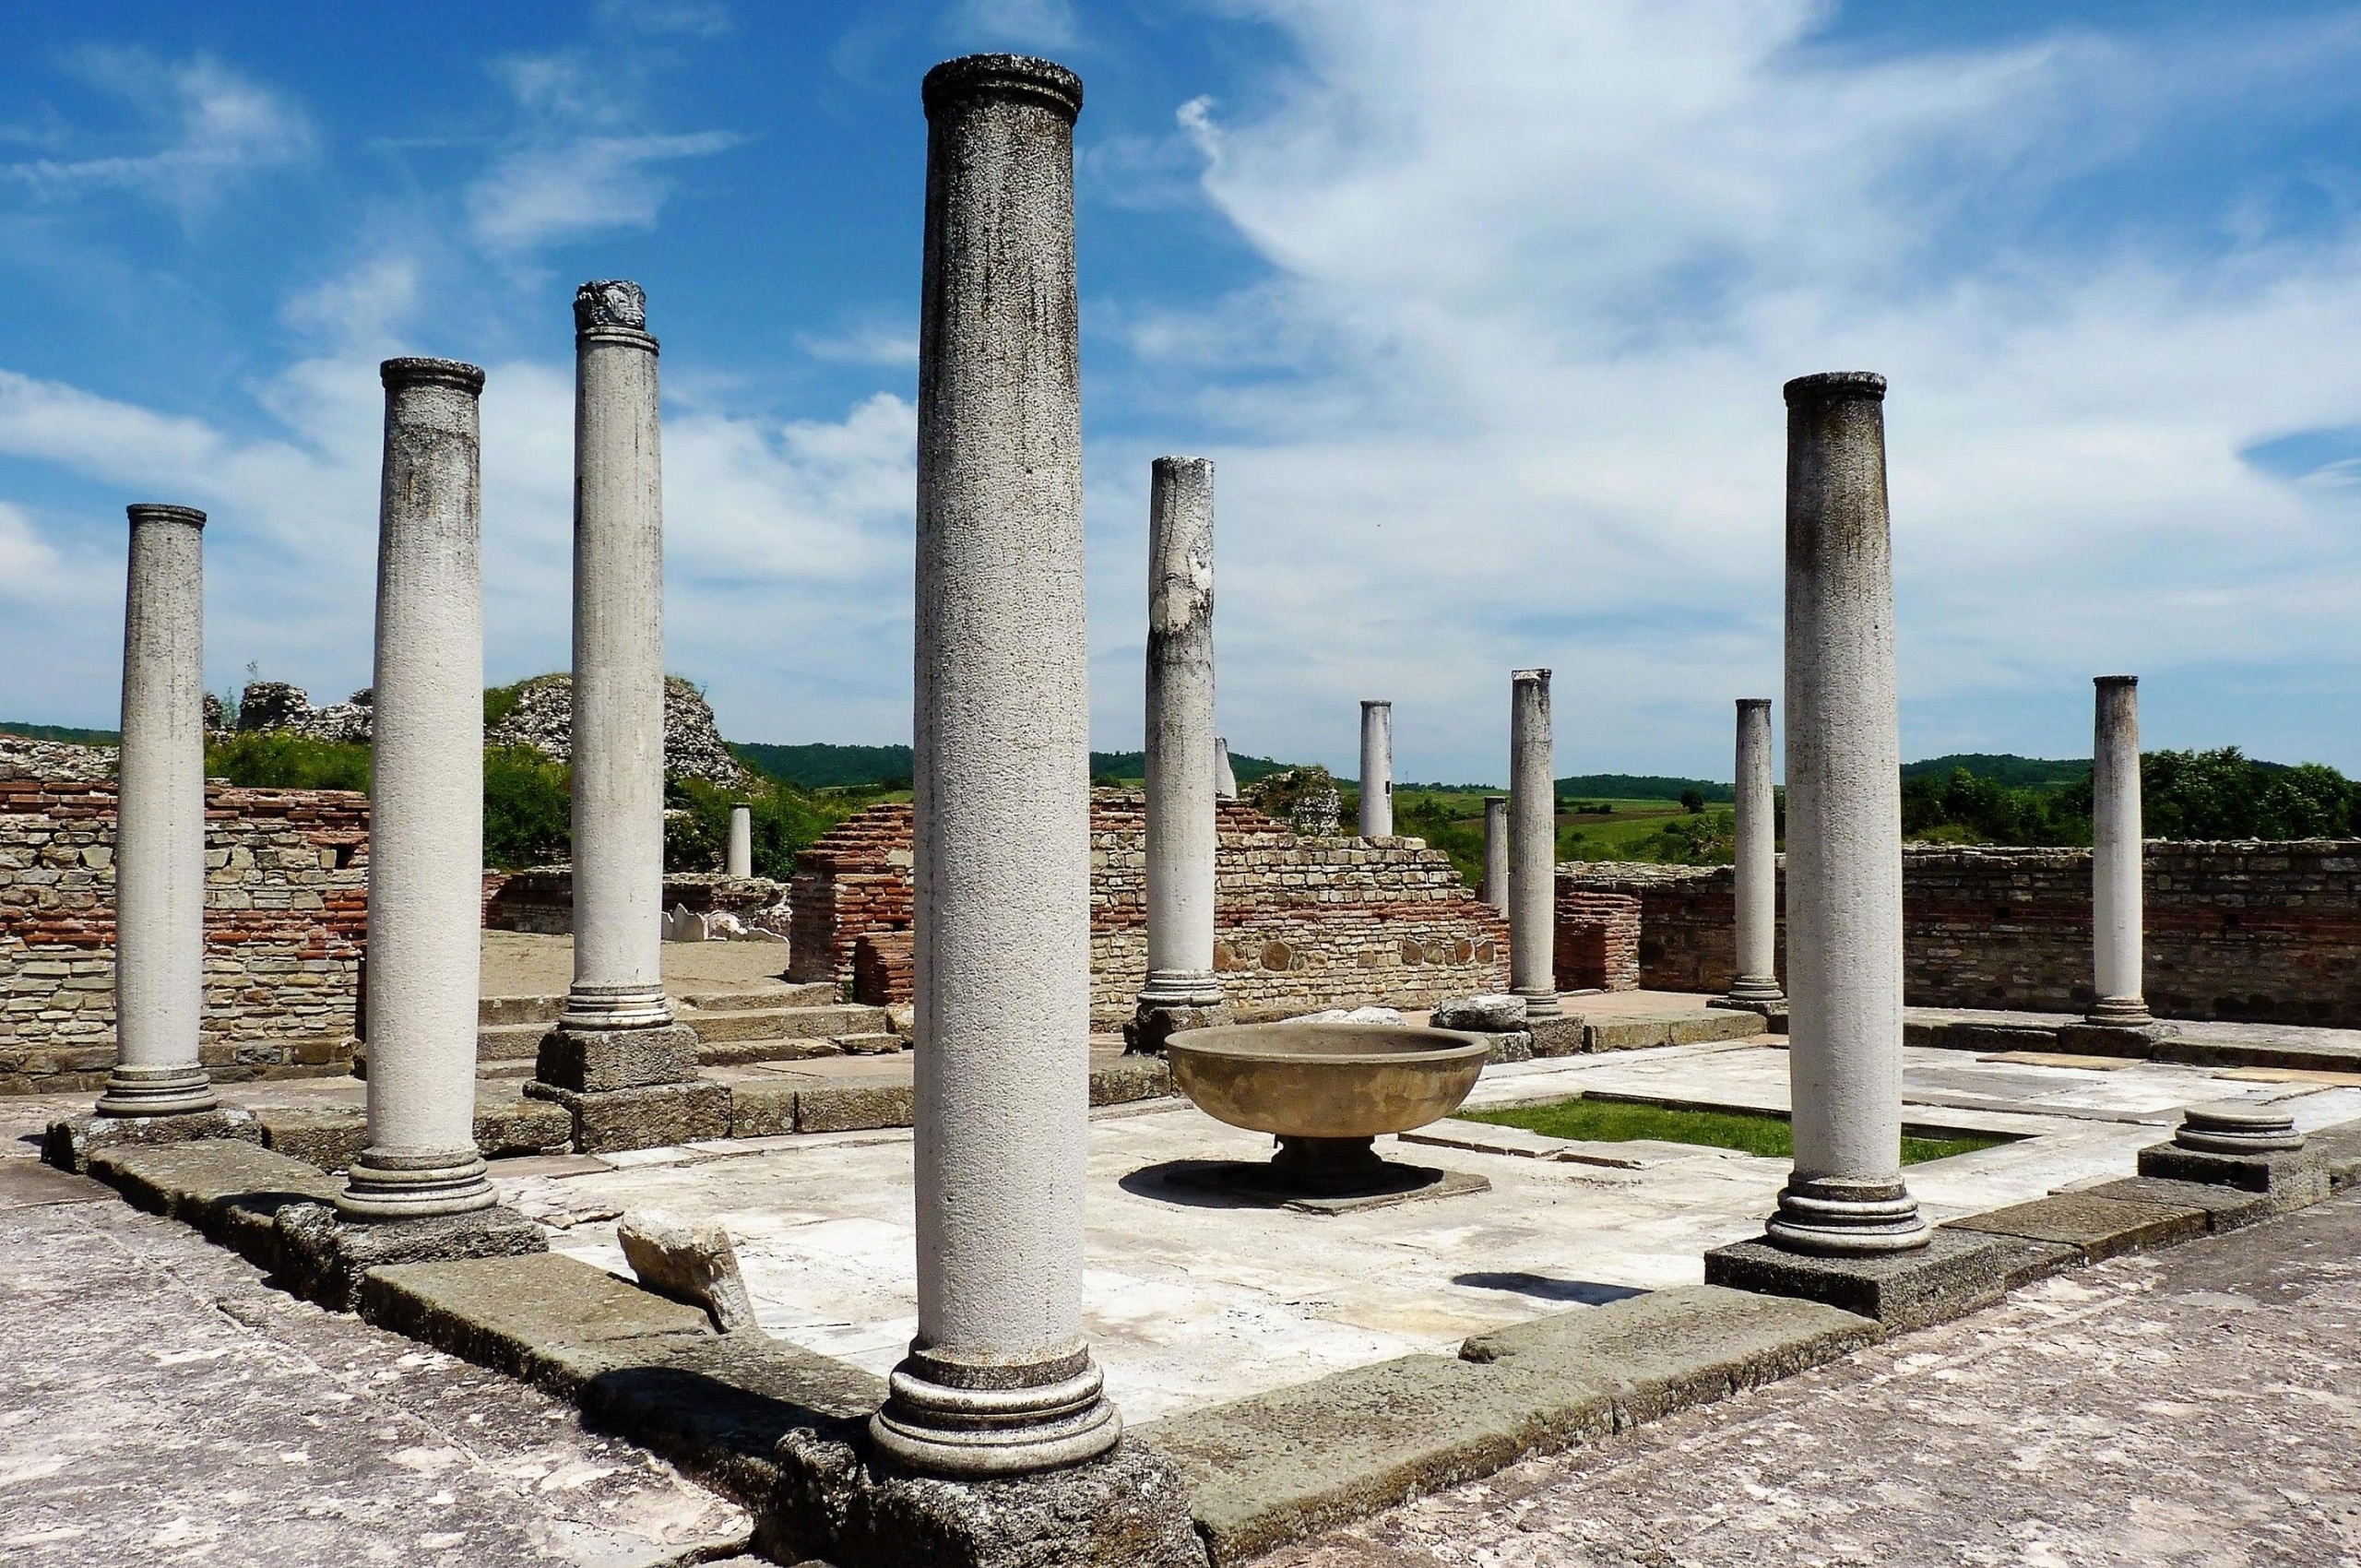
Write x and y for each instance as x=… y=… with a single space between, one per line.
x=1629 y=829
x=62 y=732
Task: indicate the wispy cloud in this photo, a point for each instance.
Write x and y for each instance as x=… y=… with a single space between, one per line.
x=209 y=124
x=1034 y=24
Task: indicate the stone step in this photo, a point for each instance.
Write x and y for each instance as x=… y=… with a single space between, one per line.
x=745 y=1052
x=869 y=1044
x=815 y=993
x=509 y=1042
x=494 y=1010
x=785 y=1023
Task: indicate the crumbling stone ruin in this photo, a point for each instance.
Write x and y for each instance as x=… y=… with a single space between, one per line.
x=23 y=757
x=274 y=705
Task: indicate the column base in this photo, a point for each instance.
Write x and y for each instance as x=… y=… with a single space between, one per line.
x=1169 y=1004
x=385 y=1183
x=1833 y=1217
x=1540 y=1004
x=157 y=1091
x=945 y=1418
x=1753 y=994
x=2120 y=1013
x=595 y=1060
x=2237 y=1129
x=325 y=1256
x=615 y=1007
x=651 y=1116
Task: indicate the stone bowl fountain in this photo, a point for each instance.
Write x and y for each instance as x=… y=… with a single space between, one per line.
x=1326 y=1091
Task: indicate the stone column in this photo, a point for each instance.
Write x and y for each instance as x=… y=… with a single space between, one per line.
x=739 y=859
x=1532 y=846
x=1843 y=831
x=999 y=1379
x=2116 y=890
x=1225 y=777
x=1181 y=992
x=1377 y=770
x=426 y=805
x=160 y=823
x=1757 y=872
x=1495 y=852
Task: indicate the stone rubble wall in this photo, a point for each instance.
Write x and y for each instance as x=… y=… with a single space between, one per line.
x=1299 y=923
x=285 y=921
x=540 y=899
x=274 y=705
x=2265 y=932
x=24 y=758
x=1598 y=939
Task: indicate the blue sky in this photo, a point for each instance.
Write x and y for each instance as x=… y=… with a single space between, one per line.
x=1482 y=313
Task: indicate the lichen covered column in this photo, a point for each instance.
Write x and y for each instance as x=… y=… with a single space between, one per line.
x=160 y=823
x=1180 y=992
x=1533 y=845
x=999 y=1379
x=738 y=859
x=1496 y=852
x=1377 y=770
x=426 y=805
x=2116 y=916
x=1843 y=831
x=618 y=667
x=1756 y=883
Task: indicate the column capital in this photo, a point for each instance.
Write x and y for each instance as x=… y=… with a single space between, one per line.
x=1027 y=76
x=1830 y=385
x=612 y=309
x=142 y=512
x=421 y=371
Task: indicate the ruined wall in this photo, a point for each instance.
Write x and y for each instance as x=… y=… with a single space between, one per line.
x=1597 y=945
x=285 y=918
x=2261 y=931
x=1299 y=923
x=542 y=899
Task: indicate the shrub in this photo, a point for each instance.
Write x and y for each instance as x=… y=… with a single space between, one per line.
x=697 y=824
x=528 y=809
x=278 y=759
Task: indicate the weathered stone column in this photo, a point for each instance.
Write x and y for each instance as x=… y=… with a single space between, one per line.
x=1181 y=992
x=999 y=1379
x=426 y=805
x=1532 y=846
x=1843 y=831
x=1377 y=770
x=738 y=859
x=2116 y=920
x=1495 y=852
x=1225 y=777
x=160 y=823
x=1757 y=871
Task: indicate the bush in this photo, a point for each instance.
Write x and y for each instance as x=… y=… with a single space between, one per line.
x=528 y=809
x=276 y=759
x=784 y=820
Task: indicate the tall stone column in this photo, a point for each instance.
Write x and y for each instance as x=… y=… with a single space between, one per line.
x=426 y=805
x=1532 y=846
x=1377 y=770
x=1843 y=831
x=160 y=823
x=999 y=1379
x=1757 y=871
x=1495 y=852
x=1225 y=777
x=1181 y=992
x=738 y=859
x=2116 y=892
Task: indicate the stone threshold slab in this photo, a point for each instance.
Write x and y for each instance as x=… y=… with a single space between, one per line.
x=2188 y=1044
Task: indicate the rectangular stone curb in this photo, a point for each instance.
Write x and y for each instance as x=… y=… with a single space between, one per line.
x=1685 y=1029
x=330 y=1139
x=2294 y=1180
x=329 y=1258
x=1132 y=1078
x=761 y=1110
x=853 y=1108
x=1956 y=1273
x=1562 y=1035
x=71 y=1142
x=507 y=1314
x=2099 y=1227
x=230 y=1190
x=2226 y=1208
x=656 y=1116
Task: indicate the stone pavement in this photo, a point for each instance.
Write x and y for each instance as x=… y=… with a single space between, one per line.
x=2196 y=1405
x=162 y=1404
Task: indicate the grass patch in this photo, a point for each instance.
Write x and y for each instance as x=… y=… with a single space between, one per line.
x=1748 y=1131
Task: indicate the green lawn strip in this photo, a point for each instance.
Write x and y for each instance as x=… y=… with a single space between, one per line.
x=1611 y=1121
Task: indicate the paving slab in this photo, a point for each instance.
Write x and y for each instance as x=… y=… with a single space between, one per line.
x=2226 y=1208
x=2097 y=1224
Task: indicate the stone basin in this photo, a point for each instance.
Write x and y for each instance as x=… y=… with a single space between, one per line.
x=1327 y=1090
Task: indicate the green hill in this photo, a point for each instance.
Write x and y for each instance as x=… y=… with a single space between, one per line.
x=2017 y=772
x=1641 y=787
x=66 y=732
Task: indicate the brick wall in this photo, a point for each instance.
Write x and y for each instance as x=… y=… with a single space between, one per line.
x=880 y=969
x=285 y=918
x=1597 y=944
x=1299 y=923
x=2267 y=933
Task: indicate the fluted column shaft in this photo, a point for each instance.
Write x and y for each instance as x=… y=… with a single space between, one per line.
x=1377 y=770
x=998 y=1378
x=1182 y=755
x=1843 y=831
x=1757 y=854
x=160 y=823
x=2116 y=891
x=1533 y=845
x=426 y=805
x=618 y=666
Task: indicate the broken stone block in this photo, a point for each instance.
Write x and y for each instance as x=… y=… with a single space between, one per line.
x=1385 y=1016
x=684 y=924
x=689 y=1262
x=1497 y=1015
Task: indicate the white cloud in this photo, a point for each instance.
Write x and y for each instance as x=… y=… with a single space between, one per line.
x=550 y=191
x=217 y=126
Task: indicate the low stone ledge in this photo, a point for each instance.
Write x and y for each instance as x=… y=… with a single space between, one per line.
x=761 y=1110
x=1954 y=1274
x=332 y=1138
x=225 y=1188
x=853 y=1108
x=1560 y=1036
x=1128 y=1079
x=329 y=1258
x=1681 y=1029
x=2226 y=1208
x=71 y=1141
x=507 y=1314
x=2292 y=1180
x=2099 y=1226
x=656 y=1116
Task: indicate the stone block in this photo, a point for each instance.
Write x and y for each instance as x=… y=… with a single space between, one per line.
x=1128 y=1510
x=651 y=1117
x=601 y=1061
x=70 y=1141
x=694 y=1264
x=2099 y=1227
x=1130 y=1079
x=1560 y=1036
x=2292 y=1180
x=1957 y=1272
x=1148 y=1027
x=511 y=1313
x=1515 y=1046
x=508 y=1128
x=328 y=1140
x=761 y=1110
x=2226 y=1208
x=326 y=1257
x=1491 y=1015
x=853 y=1108
x=28 y=1183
